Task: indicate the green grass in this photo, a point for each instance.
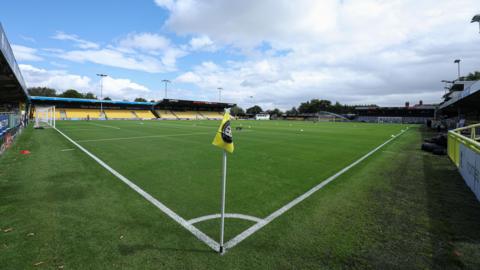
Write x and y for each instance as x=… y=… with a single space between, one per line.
x=390 y=211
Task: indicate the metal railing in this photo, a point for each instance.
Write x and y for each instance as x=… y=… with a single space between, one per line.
x=468 y=136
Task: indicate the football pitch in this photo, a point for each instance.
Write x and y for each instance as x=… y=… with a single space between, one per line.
x=146 y=194
x=275 y=163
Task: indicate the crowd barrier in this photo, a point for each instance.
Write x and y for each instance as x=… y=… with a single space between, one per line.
x=464 y=151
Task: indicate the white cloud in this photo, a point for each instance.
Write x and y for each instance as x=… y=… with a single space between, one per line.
x=202 y=43
x=123 y=89
x=145 y=41
x=57 y=79
x=23 y=53
x=61 y=80
x=367 y=51
x=188 y=77
x=115 y=58
x=146 y=52
x=80 y=43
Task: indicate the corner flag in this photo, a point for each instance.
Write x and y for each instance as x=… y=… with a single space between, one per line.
x=224 y=138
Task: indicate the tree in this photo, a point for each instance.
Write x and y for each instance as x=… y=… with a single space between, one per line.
x=107 y=98
x=292 y=111
x=314 y=106
x=42 y=91
x=71 y=93
x=139 y=99
x=236 y=111
x=475 y=76
x=254 y=110
x=90 y=95
x=275 y=112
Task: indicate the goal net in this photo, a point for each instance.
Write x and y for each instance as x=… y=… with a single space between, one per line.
x=44 y=117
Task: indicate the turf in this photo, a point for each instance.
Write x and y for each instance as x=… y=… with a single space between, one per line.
x=386 y=212
x=274 y=162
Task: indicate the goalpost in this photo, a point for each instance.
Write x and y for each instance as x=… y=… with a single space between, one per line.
x=44 y=116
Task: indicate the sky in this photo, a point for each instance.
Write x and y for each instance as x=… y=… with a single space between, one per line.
x=275 y=53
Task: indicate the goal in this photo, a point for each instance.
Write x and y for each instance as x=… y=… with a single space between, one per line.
x=44 y=117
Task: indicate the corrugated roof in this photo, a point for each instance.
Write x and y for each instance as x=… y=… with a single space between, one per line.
x=84 y=100
x=471 y=89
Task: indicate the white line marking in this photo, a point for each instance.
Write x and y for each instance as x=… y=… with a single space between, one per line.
x=214 y=216
x=79 y=129
x=107 y=126
x=146 y=137
x=196 y=232
x=69 y=149
x=237 y=239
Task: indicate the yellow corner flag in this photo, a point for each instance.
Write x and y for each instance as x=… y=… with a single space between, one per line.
x=224 y=138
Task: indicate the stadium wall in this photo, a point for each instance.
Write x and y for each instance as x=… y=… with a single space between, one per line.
x=464 y=151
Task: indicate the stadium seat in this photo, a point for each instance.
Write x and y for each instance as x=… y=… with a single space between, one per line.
x=212 y=115
x=120 y=114
x=144 y=114
x=82 y=113
x=188 y=115
x=166 y=114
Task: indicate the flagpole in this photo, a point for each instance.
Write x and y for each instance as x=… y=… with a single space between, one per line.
x=222 y=213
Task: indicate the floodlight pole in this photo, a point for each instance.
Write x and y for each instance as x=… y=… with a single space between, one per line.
x=101 y=92
x=166 y=82
x=457 y=61
x=220 y=94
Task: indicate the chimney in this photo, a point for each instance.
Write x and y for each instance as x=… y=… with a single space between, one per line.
x=407 y=104
x=420 y=102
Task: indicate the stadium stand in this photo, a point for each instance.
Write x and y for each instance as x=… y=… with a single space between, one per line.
x=144 y=114
x=166 y=114
x=58 y=114
x=417 y=114
x=119 y=114
x=188 y=109
x=211 y=115
x=78 y=109
x=82 y=113
x=188 y=115
x=461 y=105
x=14 y=99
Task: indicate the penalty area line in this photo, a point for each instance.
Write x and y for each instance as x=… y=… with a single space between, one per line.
x=185 y=224
x=242 y=236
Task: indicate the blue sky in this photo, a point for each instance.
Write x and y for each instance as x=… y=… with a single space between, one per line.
x=278 y=52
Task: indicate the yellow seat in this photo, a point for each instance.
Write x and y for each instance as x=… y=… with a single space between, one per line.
x=57 y=114
x=119 y=114
x=166 y=114
x=188 y=115
x=212 y=115
x=82 y=113
x=144 y=114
